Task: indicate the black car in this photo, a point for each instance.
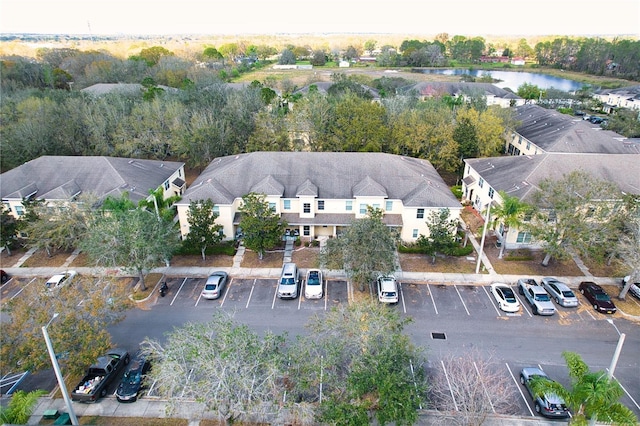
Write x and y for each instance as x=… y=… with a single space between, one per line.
x=133 y=379
x=4 y=277
x=598 y=298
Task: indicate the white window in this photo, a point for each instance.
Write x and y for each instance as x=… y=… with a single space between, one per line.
x=216 y=209
x=306 y=230
x=19 y=210
x=420 y=214
x=306 y=207
x=363 y=209
x=166 y=185
x=287 y=204
x=348 y=206
x=320 y=204
x=491 y=193
x=414 y=233
x=388 y=206
x=481 y=182
x=523 y=237
x=272 y=206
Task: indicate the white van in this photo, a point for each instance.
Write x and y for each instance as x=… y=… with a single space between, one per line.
x=288 y=284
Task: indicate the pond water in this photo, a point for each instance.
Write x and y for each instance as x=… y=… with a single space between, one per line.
x=514 y=79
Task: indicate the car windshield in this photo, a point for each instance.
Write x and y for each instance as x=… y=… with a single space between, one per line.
x=568 y=293
x=131 y=377
x=313 y=279
x=602 y=297
x=210 y=286
x=508 y=295
x=287 y=281
x=542 y=297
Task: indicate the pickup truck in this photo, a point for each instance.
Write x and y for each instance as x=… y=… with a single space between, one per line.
x=100 y=375
x=536 y=296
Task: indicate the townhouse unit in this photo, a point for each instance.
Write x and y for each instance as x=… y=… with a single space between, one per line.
x=61 y=179
x=492 y=93
x=624 y=97
x=542 y=130
x=320 y=193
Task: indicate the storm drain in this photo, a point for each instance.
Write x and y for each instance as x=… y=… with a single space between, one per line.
x=439 y=336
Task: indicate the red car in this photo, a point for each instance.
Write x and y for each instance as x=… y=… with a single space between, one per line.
x=598 y=298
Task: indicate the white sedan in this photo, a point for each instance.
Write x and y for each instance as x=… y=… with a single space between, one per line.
x=505 y=297
x=59 y=280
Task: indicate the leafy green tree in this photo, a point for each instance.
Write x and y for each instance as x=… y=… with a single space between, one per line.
x=134 y=240
x=262 y=227
x=368 y=374
x=318 y=58
x=366 y=249
x=270 y=133
x=211 y=53
x=59 y=226
x=629 y=250
x=162 y=207
x=8 y=229
x=287 y=57
x=570 y=214
x=20 y=407
x=510 y=214
x=235 y=372
x=152 y=55
x=529 y=91
x=591 y=396
x=203 y=231
x=79 y=331
x=442 y=234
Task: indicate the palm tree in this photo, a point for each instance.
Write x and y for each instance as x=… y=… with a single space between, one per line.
x=510 y=213
x=592 y=395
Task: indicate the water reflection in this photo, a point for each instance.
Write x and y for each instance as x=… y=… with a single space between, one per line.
x=513 y=79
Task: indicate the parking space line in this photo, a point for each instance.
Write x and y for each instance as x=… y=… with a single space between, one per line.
x=628 y=394
x=484 y=387
x=199 y=297
x=12 y=297
x=226 y=291
x=300 y=293
x=524 y=305
x=251 y=293
x=432 y=301
x=517 y=382
x=493 y=302
x=326 y=293
x=462 y=300
x=453 y=398
x=177 y=292
x=404 y=305
x=275 y=294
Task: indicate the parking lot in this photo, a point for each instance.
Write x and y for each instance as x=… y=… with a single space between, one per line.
x=446 y=319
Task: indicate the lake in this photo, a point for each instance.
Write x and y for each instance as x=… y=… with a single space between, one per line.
x=514 y=79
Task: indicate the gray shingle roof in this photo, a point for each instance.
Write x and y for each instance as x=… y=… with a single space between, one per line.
x=335 y=174
x=556 y=132
x=62 y=177
x=519 y=176
x=454 y=88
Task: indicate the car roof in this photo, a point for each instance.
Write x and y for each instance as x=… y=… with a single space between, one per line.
x=56 y=278
x=533 y=371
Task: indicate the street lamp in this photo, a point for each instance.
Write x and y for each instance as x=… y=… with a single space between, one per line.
x=56 y=369
x=616 y=354
x=484 y=234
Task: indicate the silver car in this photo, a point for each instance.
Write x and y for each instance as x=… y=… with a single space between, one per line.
x=560 y=292
x=215 y=284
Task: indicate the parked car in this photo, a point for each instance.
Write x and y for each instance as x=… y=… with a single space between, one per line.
x=387 y=289
x=560 y=292
x=598 y=298
x=505 y=297
x=133 y=380
x=634 y=290
x=4 y=277
x=536 y=296
x=548 y=404
x=215 y=285
x=313 y=288
x=60 y=280
x=289 y=281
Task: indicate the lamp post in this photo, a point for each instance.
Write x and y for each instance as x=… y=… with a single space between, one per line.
x=484 y=234
x=56 y=369
x=616 y=354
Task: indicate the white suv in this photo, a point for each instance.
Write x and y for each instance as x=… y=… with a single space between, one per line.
x=387 y=289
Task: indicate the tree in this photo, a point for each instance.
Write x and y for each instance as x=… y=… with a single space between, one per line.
x=59 y=226
x=152 y=55
x=236 y=373
x=442 y=233
x=591 y=396
x=629 y=251
x=367 y=248
x=511 y=214
x=8 y=229
x=529 y=92
x=376 y=371
x=134 y=240
x=318 y=58
x=469 y=388
x=262 y=228
x=203 y=231
x=85 y=309
x=20 y=407
x=571 y=214
x=287 y=57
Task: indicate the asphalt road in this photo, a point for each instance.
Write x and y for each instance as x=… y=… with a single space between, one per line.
x=465 y=315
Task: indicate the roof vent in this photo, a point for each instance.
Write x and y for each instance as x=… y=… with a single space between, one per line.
x=438 y=336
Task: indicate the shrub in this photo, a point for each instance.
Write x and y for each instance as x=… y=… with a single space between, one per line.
x=457 y=191
x=461 y=251
x=224 y=248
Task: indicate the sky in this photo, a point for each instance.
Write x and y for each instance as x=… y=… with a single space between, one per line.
x=429 y=17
